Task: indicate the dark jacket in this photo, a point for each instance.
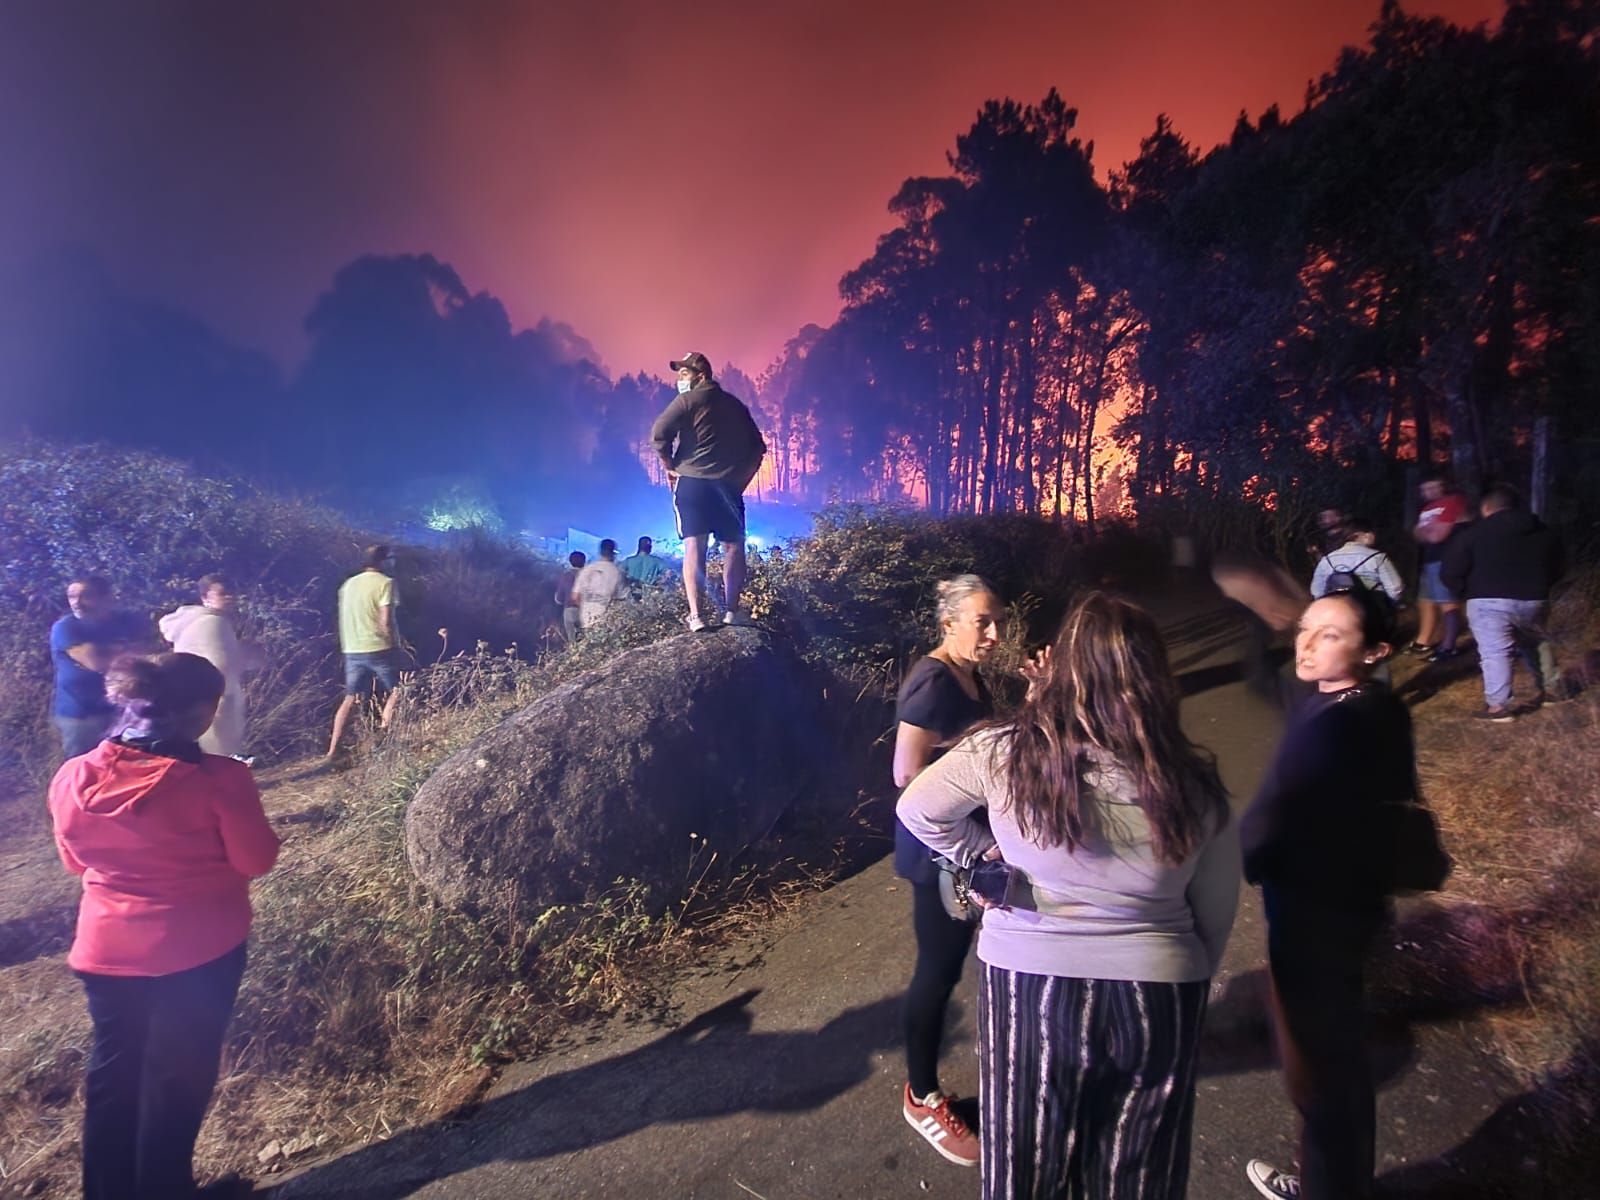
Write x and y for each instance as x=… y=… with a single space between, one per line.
x=1316 y=827
x=1509 y=555
x=715 y=436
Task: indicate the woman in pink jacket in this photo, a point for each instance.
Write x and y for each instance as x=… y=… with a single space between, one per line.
x=166 y=839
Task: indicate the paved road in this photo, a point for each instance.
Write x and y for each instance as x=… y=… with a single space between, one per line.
x=783 y=1078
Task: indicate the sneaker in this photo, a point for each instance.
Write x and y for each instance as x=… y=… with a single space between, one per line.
x=1444 y=655
x=1421 y=649
x=735 y=616
x=946 y=1132
x=1500 y=716
x=696 y=624
x=1272 y=1182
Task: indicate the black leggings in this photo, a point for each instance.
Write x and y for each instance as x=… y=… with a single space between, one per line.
x=942 y=945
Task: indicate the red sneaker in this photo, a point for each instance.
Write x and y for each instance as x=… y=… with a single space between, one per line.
x=946 y=1132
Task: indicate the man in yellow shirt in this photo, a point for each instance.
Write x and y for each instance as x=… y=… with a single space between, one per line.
x=370 y=640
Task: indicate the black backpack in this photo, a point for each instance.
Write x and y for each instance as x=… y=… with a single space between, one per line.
x=1347 y=580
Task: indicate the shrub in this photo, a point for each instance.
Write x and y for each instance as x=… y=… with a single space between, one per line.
x=153 y=526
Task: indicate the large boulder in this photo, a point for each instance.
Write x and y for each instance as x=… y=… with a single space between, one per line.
x=620 y=773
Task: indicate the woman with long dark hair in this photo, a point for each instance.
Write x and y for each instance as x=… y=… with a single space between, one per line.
x=166 y=839
x=1124 y=877
x=1318 y=841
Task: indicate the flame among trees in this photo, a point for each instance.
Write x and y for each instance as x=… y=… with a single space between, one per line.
x=1405 y=271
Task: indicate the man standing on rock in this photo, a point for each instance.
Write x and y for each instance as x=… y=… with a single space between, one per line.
x=711 y=449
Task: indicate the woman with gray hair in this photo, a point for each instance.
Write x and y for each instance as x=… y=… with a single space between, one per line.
x=942 y=697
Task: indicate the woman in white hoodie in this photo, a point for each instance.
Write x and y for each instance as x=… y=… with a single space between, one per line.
x=206 y=629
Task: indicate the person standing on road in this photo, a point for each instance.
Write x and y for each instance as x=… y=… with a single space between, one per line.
x=1121 y=878
x=711 y=449
x=1438 y=607
x=207 y=629
x=166 y=839
x=1360 y=558
x=82 y=645
x=943 y=696
x=1314 y=839
x=1505 y=566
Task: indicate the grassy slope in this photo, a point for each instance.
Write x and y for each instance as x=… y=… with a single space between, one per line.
x=366 y=1007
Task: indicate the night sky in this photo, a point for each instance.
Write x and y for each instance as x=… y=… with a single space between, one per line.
x=662 y=177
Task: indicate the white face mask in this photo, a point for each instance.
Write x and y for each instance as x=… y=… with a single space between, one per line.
x=684 y=385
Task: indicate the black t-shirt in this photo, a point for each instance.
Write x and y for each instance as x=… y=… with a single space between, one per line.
x=932 y=698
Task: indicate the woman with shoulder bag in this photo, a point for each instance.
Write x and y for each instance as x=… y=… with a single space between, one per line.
x=1098 y=954
x=1334 y=831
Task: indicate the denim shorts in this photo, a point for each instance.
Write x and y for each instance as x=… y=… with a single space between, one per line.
x=381 y=666
x=1430 y=585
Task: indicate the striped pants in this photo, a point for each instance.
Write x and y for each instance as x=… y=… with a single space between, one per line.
x=1086 y=1086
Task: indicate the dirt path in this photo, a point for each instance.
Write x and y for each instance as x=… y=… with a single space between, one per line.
x=782 y=1078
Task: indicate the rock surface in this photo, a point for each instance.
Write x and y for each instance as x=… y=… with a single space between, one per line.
x=621 y=772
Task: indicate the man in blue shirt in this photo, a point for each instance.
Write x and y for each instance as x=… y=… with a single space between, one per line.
x=82 y=645
x=643 y=569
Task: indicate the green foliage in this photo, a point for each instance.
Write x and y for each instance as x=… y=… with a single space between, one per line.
x=860 y=588
x=154 y=526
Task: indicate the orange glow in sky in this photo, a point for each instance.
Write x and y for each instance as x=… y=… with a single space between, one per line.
x=660 y=177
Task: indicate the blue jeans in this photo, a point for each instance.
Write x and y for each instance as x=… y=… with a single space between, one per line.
x=79 y=735
x=361 y=671
x=1506 y=627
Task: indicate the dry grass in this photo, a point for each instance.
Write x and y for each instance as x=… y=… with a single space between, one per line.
x=1519 y=806
x=366 y=1006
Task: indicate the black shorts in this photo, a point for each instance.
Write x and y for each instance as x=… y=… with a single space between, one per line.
x=709 y=506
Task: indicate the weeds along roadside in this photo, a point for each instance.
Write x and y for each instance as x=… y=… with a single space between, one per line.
x=1519 y=806
x=366 y=1006
x=369 y=1006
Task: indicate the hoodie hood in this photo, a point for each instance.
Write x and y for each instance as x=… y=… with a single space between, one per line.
x=114 y=778
x=175 y=624
x=1515 y=521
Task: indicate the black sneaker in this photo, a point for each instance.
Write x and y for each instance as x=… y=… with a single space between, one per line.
x=1270 y=1181
x=1500 y=716
x=1445 y=655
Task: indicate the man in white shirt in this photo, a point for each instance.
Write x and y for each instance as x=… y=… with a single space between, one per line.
x=598 y=584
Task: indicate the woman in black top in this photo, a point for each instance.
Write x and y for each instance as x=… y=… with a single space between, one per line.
x=1316 y=841
x=942 y=698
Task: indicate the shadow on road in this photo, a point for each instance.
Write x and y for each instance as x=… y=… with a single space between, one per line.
x=710 y=1067
x=1436 y=963
x=1538 y=1145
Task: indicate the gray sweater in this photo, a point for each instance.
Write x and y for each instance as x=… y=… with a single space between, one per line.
x=1111 y=909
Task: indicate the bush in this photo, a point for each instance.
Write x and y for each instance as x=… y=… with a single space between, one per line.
x=154 y=526
x=861 y=588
